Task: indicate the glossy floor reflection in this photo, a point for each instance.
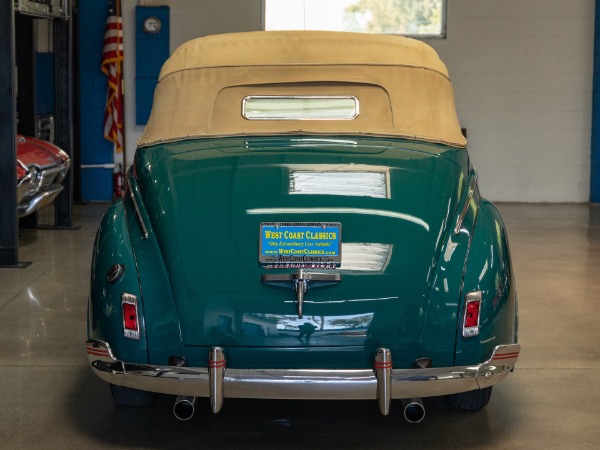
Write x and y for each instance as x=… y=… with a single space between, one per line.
x=50 y=399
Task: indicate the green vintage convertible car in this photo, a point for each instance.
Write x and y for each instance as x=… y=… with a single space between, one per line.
x=302 y=221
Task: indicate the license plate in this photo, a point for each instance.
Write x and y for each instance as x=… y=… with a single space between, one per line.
x=300 y=244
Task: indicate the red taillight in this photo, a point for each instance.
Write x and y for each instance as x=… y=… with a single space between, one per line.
x=472 y=316
x=472 y=310
x=131 y=320
x=130 y=316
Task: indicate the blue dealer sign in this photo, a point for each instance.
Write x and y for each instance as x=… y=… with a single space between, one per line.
x=299 y=243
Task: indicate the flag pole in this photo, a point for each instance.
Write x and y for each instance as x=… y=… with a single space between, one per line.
x=112 y=66
x=122 y=81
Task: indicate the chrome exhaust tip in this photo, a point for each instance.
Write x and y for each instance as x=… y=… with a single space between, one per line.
x=184 y=407
x=414 y=411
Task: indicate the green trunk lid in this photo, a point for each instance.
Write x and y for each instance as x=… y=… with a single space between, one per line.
x=395 y=200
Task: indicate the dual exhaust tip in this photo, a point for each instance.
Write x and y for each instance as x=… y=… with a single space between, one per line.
x=185 y=407
x=414 y=411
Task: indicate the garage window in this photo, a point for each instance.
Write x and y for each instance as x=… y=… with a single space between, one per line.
x=419 y=18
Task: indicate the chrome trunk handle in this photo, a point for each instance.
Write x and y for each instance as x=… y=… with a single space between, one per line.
x=300 y=281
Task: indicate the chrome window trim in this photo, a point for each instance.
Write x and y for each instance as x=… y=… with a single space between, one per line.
x=336 y=97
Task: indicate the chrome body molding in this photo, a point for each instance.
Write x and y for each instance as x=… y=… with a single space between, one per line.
x=138 y=213
x=382 y=383
x=465 y=209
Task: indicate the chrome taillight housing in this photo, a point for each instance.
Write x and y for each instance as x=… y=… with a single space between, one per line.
x=472 y=312
x=131 y=318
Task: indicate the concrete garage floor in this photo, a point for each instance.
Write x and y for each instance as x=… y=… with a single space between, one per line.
x=50 y=399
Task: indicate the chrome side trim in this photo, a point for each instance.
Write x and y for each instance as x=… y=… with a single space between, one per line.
x=465 y=208
x=463 y=213
x=302 y=384
x=136 y=208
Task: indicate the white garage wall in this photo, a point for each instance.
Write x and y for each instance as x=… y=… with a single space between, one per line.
x=522 y=71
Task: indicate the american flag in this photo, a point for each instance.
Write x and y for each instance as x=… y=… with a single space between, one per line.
x=112 y=66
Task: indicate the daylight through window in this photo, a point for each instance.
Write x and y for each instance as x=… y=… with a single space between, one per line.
x=406 y=17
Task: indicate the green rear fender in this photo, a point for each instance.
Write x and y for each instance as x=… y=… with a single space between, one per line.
x=438 y=340
x=162 y=324
x=120 y=240
x=105 y=321
x=488 y=270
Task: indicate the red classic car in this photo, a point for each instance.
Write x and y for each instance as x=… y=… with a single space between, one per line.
x=41 y=167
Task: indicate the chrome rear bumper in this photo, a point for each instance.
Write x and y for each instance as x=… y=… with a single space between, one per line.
x=382 y=383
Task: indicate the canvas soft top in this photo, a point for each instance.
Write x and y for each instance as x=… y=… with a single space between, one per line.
x=401 y=84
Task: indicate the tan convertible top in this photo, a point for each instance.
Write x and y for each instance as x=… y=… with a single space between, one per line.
x=401 y=84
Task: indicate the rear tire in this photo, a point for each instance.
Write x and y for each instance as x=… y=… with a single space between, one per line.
x=125 y=396
x=470 y=401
